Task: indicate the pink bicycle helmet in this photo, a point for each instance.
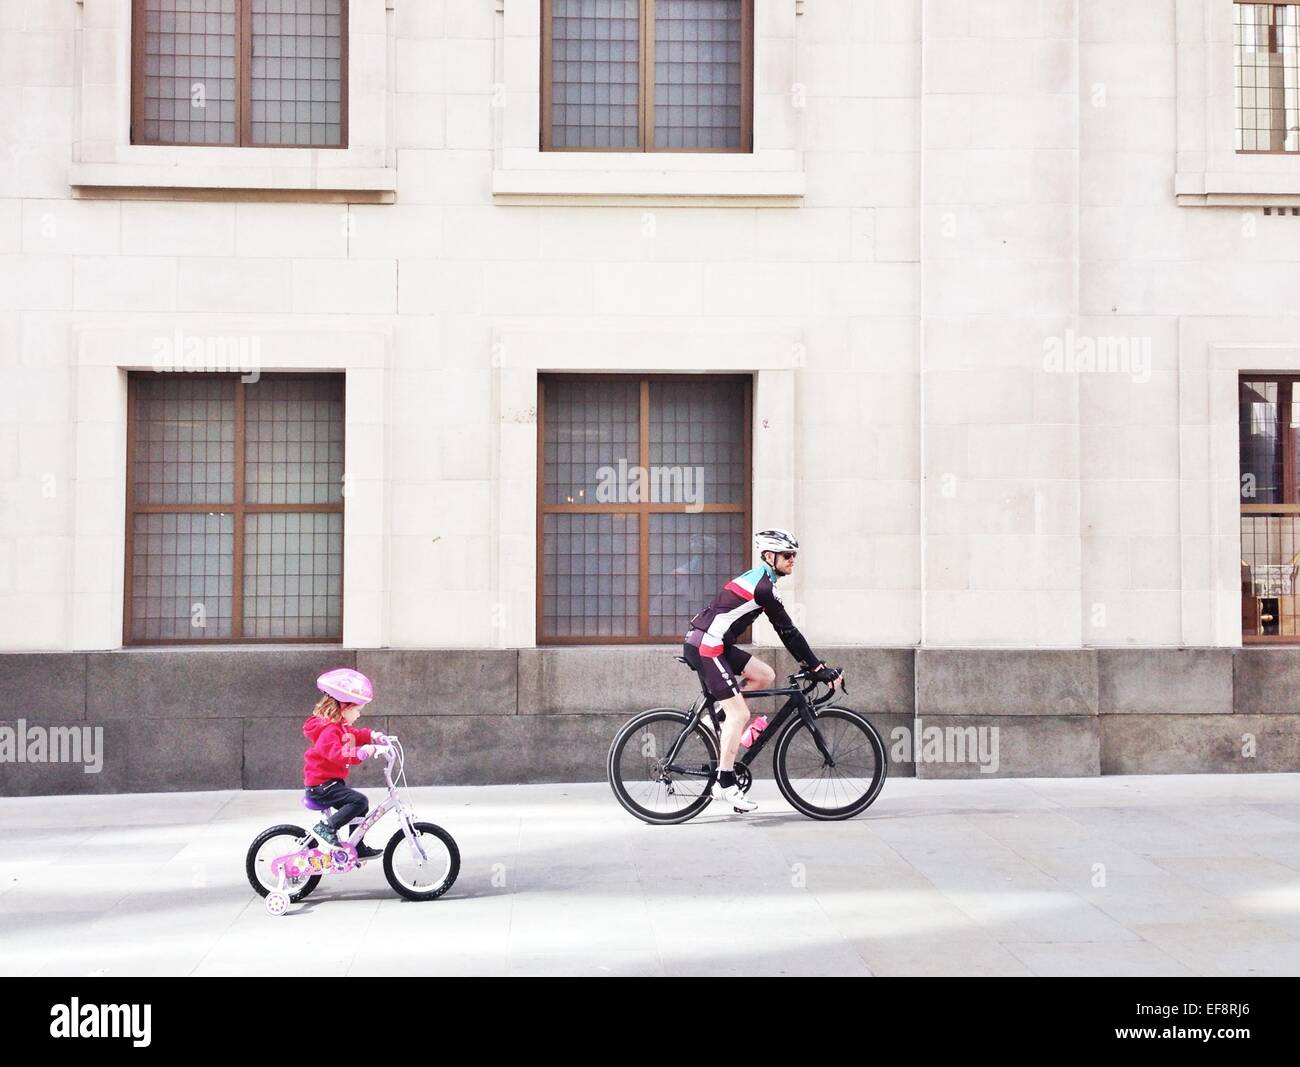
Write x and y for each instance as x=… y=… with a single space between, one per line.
x=346 y=686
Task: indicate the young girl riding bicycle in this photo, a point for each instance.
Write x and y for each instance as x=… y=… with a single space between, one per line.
x=337 y=746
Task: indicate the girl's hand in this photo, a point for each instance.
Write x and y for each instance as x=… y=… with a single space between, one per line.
x=366 y=751
x=380 y=739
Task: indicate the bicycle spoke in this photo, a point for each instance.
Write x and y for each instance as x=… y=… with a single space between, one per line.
x=844 y=780
x=643 y=776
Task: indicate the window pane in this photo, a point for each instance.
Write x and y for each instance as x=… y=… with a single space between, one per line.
x=1270 y=556
x=297 y=73
x=595 y=72
x=293 y=575
x=293 y=441
x=184 y=440
x=1261 y=452
x=697 y=90
x=1267 y=49
x=591 y=575
x=189 y=72
x=181 y=576
x=697 y=442
x=691 y=558
x=593 y=432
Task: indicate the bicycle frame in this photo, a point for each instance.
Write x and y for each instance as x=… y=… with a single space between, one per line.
x=797 y=702
x=392 y=802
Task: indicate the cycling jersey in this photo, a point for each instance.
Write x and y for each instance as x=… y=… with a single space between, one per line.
x=717 y=627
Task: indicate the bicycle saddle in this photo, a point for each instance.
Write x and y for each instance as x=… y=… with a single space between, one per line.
x=312 y=805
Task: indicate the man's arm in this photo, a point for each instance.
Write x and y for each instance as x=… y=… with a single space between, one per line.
x=766 y=598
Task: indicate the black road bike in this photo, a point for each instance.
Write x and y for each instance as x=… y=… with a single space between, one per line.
x=829 y=761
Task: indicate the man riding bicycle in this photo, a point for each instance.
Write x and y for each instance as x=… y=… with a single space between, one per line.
x=710 y=648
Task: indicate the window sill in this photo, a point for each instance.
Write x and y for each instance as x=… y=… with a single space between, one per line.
x=187 y=173
x=1239 y=188
x=706 y=183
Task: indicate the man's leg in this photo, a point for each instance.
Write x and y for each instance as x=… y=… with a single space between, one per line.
x=757 y=675
x=733 y=726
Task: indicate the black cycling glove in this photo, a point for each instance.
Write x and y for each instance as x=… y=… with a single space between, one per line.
x=826 y=674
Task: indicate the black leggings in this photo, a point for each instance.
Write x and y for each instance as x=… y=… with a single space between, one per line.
x=348 y=803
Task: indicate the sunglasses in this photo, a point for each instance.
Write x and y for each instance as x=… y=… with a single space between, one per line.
x=787 y=555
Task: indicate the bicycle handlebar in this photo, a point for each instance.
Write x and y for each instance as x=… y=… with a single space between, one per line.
x=799 y=677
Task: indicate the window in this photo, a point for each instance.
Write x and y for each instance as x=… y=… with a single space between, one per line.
x=1268 y=419
x=1267 y=83
x=647 y=75
x=240 y=72
x=234 y=508
x=643 y=503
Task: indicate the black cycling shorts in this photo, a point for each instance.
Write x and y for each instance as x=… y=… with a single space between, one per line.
x=719 y=675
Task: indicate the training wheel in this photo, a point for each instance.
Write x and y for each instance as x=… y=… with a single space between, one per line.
x=277 y=903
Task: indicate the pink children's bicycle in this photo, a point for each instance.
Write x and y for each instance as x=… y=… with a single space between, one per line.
x=421 y=861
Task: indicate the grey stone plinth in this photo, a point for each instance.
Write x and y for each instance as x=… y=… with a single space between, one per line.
x=997 y=682
x=1042 y=746
x=483 y=749
x=1197 y=744
x=273 y=753
x=442 y=681
x=111 y=746
x=620 y=679
x=214 y=683
x=45 y=686
x=166 y=755
x=1153 y=681
x=1266 y=681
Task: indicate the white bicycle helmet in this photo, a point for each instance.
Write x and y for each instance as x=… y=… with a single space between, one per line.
x=775 y=540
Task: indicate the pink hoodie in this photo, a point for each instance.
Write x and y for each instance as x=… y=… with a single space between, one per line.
x=333 y=750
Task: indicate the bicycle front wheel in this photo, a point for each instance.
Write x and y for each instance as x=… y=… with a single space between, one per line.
x=648 y=784
x=835 y=788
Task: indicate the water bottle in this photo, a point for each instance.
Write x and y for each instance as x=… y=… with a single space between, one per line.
x=756 y=727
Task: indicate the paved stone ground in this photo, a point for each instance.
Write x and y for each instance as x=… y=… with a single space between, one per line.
x=993 y=877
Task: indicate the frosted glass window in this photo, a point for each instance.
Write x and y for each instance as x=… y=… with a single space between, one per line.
x=293 y=441
x=184 y=440
x=630 y=552
x=270 y=73
x=182 y=576
x=697 y=442
x=297 y=72
x=219 y=553
x=697 y=90
x=647 y=75
x=595 y=73
x=189 y=68
x=293 y=575
x=691 y=558
x=591 y=586
x=1266 y=88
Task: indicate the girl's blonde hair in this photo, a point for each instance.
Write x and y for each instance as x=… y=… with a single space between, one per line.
x=328 y=708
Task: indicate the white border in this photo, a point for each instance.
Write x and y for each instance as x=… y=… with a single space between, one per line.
x=103 y=156
x=517 y=359
x=102 y=356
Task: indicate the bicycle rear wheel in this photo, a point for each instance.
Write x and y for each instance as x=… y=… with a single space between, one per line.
x=835 y=789
x=641 y=777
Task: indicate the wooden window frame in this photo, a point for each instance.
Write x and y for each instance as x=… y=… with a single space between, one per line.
x=243 y=83
x=238 y=508
x=645 y=88
x=643 y=509
x=1272 y=48
x=1288 y=435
